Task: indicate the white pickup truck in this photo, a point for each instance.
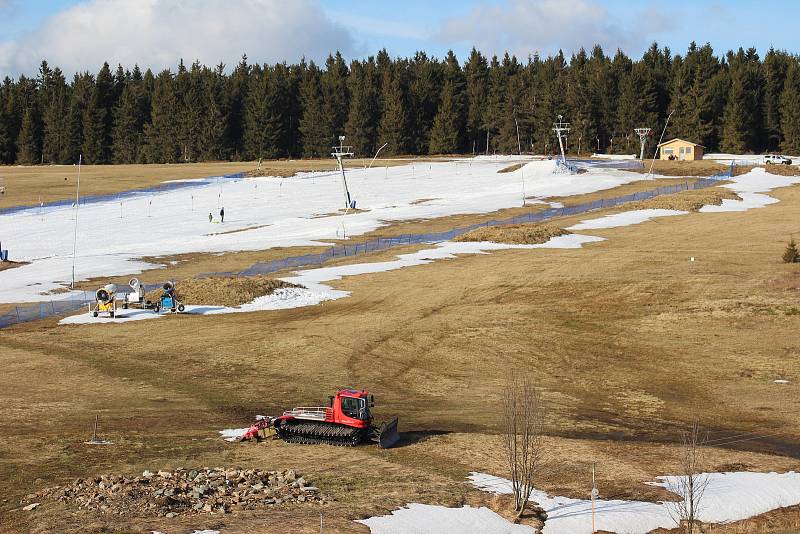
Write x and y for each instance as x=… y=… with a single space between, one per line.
x=774 y=159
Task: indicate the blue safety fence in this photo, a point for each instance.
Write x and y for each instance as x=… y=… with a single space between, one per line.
x=26 y=313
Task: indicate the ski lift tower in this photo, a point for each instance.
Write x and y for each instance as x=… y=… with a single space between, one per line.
x=340 y=152
x=561 y=130
x=643 y=133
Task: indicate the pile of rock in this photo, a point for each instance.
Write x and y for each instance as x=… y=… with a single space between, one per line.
x=186 y=491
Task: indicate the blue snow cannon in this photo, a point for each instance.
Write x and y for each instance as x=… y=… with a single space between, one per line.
x=168 y=300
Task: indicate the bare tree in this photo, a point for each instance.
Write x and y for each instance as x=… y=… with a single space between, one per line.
x=691 y=482
x=522 y=433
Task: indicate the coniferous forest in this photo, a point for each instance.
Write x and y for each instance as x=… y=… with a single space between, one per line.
x=736 y=103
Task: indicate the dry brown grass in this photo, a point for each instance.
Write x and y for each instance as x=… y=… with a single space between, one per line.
x=682 y=168
x=519 y=234
x=628 y=340
x=691 y=200
x=511 y=168
x=5 y=265
x=220 y=291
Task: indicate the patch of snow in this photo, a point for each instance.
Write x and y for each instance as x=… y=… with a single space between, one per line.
x=626 y=218
x=728 y=497
x=614 y=156
x=781 y=381
x=233 y=434
x=207 y=531
x=426 y=519
x=751 y=188
x=567 y=516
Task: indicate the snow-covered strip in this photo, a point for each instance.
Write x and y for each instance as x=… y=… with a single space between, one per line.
x=426 y=519
x=280 y=299
x=626 y=218
x=727 y=497
x=233 y=434
x=263 y=213
x=315 y=291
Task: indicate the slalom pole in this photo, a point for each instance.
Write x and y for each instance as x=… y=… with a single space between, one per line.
x=77 y=207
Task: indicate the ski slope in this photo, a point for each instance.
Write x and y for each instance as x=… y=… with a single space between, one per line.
x=262 y=213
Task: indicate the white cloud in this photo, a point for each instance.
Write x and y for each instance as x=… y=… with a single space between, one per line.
x=527 y=26
x=157 y=33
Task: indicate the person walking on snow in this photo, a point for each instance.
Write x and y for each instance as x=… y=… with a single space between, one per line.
x=222 y=214
x=210 y=217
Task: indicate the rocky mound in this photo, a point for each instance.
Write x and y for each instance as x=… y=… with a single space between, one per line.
x=185 y=491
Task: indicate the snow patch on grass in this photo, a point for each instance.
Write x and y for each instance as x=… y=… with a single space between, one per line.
x=728 y=497
x=426 y=519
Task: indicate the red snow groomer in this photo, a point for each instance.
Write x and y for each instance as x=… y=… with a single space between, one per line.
x=346 y=422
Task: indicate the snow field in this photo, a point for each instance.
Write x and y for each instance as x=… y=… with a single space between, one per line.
x=263 y=213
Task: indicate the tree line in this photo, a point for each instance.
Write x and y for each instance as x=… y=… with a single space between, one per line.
x=418 y=105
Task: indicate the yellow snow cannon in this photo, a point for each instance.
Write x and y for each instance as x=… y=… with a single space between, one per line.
x=105 y=301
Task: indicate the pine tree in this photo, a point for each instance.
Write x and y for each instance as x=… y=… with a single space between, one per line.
x=424 y=93
x=637 y=102
x=94 y=120
x=476 y=72
x=55 y=103
x=790 y=110
x=28 y=151
x=743 y=126
x=445 y=134
x=314 y=126
x=161 y=136
x=776 y=65
x=336 y=96
x=362 y=120
x=128 y=124
x=265 y=125
x=236 y=97
x=791 y=254
x=212 y=129
x=394 y=125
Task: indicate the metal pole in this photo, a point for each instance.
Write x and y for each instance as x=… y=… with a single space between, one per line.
x=594 y=496
x=344 y=182
x=77 y=206
x=664 y=131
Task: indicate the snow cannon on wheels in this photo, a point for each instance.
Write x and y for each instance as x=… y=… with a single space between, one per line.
x=105 y=301
x=346 y=422
x=136 y=296
x=169 y=300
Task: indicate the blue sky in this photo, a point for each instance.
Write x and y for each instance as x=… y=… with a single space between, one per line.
x=77 y=34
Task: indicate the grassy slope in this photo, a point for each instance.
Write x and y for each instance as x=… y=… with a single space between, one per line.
x=627 y=338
